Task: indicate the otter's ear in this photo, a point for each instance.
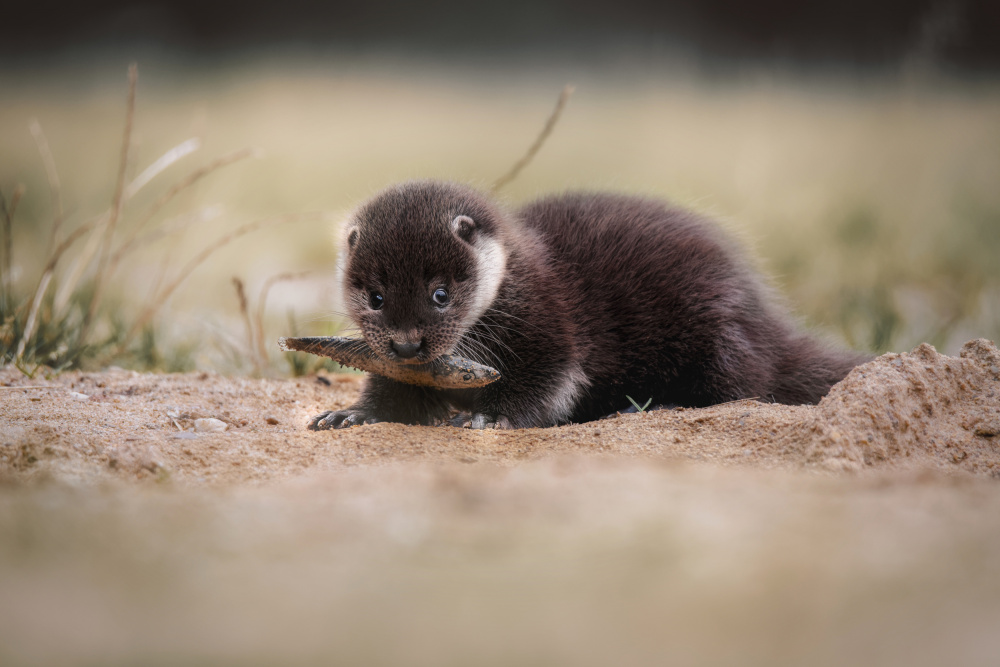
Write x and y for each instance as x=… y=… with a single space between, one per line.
x=463 y=227
x=351 y=237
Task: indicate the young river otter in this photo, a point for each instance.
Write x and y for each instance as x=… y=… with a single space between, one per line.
x=579 y=300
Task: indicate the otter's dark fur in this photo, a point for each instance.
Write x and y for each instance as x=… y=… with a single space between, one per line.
x=579 y=300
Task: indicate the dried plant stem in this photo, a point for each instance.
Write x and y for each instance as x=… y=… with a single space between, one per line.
x=43 y=284
x=179 y=151
x=116 y=206
x=130 y=242
x=262 y=305
x=161 y=275
x=8 y=235
x=241 y=296
x=83 y=260
x=535 y=147
x=207 y=252
x=7 y=232
x=185 y=183
x=55 y=188
x=224 y=340
x=135 y=243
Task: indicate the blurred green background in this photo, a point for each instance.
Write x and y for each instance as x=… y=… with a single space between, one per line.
x=868 y=190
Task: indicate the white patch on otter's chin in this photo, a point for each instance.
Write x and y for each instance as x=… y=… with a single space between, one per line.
x=491 y=264
x=562 y=401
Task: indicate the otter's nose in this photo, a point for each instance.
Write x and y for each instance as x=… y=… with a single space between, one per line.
x=407 y=350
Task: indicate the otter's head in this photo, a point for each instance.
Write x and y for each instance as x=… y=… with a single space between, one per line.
x=423 y=261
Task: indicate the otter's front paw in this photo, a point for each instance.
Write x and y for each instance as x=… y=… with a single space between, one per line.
x=481 y=421
x=340 y=419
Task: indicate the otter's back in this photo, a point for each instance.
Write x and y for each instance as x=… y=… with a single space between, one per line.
x=658 y=295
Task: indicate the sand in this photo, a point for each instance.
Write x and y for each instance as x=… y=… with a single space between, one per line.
x=866 y=528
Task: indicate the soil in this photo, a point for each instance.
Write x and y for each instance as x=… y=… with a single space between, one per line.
x=866 y=528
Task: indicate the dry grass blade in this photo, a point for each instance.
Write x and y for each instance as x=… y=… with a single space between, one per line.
x=83 y=260
x=166 y=262
x=55 y=187
x=262 y=305
x=8 y=230
x=207 y=252
x=224 y=339
x=241 y=296
x=535 y=147
x=179 y=151
x=190 y=180
x=174 y=190
x=131 y=242
x=116 y=206
x=46 y=278
x=206 y=214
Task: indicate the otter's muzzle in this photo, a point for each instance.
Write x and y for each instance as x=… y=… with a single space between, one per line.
x=407 y=350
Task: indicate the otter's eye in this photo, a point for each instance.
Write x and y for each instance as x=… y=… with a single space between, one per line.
x=375 y=300
x=440 y=296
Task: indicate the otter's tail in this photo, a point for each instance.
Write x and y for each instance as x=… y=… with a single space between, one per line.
x=808 y=369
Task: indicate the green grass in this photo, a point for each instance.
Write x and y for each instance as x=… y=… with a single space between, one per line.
x=639 y=408
x=872 y=203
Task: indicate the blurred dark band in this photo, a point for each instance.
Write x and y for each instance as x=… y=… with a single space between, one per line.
x=958 y=34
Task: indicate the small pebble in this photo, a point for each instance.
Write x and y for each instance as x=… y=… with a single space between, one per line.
x=988 y=429
x=272 y=421
x=77 y=396
x=209 y=425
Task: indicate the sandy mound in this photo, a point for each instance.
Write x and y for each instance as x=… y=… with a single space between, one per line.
x=921 y=408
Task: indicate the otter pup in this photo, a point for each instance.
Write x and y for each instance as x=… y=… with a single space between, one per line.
x=579 y=300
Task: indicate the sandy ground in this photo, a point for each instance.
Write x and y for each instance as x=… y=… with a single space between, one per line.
x=865 y=529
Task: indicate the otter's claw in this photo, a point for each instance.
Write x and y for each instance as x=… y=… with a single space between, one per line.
x=339 y=419
x=480 y=421
x=461 y=420
x=477 y=421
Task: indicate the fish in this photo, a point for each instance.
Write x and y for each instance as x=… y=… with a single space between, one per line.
x=449 y=371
